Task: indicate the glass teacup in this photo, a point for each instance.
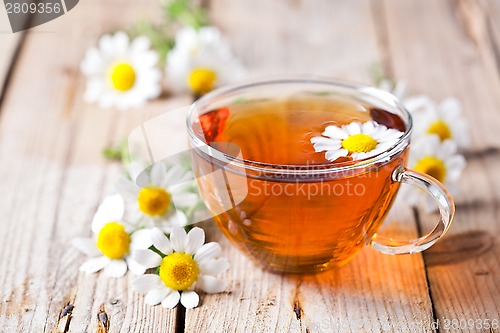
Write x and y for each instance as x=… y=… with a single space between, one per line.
x=302 y=215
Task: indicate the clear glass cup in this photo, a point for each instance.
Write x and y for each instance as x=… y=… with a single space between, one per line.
x=304 y=230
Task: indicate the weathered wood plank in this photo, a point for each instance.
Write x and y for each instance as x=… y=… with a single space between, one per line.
x=491 y=10
x=437 y=54
x=8 y=45
x=55 y=176
x=440 y=57
x=297 y=37
x=375 y=292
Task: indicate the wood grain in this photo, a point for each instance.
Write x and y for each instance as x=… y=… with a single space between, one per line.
x=55 y=175
x=300 y=37
x=9 y=43
x=463 y=269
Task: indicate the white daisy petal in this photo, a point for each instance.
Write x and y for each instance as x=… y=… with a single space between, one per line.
x=207 y=251
x=358 y=156
x=135 y=169
x=140 y=44
x=368 y=127
x=399 y=89
x=194 y=240
x=385 y=84
x=127 y=189
x=156 y=295
x=214 y=266
x=95 y=264
x=389 y=135
x=446 y=149
x=455 y=166
x=184 y=200
x=381 y=147
x=86 y=246
x=190 y=299
x=105 y=45
x=335 y=133
x=426 y=145
x=146 y=283
x=134 y=267
x=353 y=128
x=176 y=218
x=173 y=175
x=120 y=42
x=333 y=155
x=178 y=239
x=146 y=258
x=456 y=162
x=141 y=239
x=417 y=103
x=160 y=241
x=210 y=284
x=171 y=300
x=110 y=210
x=157 y=173
x=321 y=143
x=181 y=188
x=450 y=105
x=116 y=268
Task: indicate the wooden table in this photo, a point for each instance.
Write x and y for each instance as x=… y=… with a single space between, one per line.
x=54 y=176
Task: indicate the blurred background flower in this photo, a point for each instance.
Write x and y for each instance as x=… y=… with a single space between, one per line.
x=121 y=73
x=200 y=61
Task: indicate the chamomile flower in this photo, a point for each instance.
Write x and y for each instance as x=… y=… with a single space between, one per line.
x=112 y=242
x=438 y=159
x=446 y=121
x=154 y=205
x=200 y=61
x=357 y=140
x=184 y=263
x=120 y=72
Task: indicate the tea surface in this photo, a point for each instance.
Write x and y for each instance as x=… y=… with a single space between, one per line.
x=279 y=132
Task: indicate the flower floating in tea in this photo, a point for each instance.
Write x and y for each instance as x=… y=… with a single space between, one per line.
x=446 y=121
x=113 y=241
x=200 y=61
x=154 y=205
x=357 y=140
x=121 y=73
x=182 y=263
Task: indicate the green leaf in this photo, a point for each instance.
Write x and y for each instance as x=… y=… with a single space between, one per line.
x=186 y=12
x=118 y=153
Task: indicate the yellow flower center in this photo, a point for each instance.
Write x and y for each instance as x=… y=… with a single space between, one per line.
x=153 y=200
x=179 y=271
x=122 y=76
x=359 y=143
x=202 y=80
x=113 y=241
x=441 y=129
x=432 y=166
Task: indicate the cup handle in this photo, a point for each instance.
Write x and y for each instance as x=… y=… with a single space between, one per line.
x=446 y=213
